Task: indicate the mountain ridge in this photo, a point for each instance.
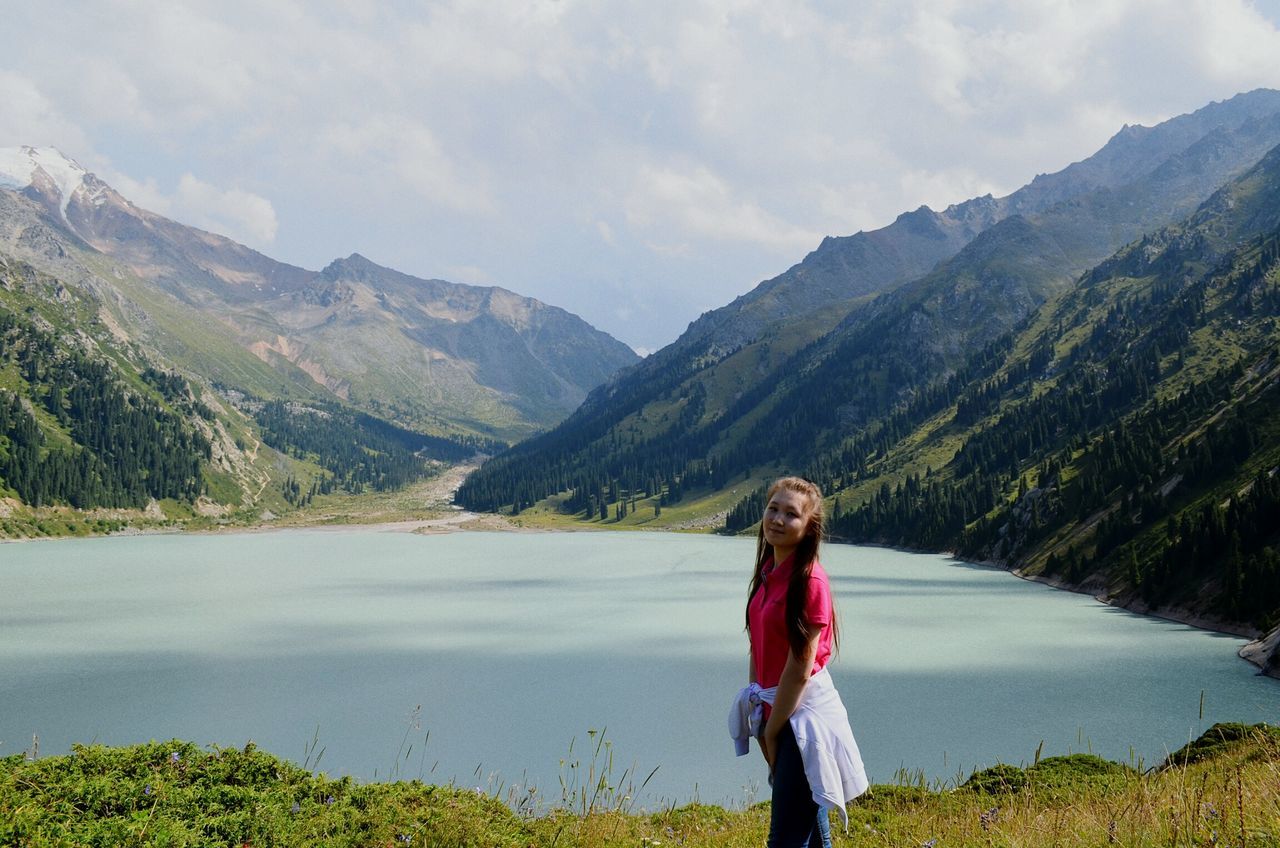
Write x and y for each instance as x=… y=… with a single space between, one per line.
x=868 y=255
x=894 y=407
x=378 y=343
x=995 y=279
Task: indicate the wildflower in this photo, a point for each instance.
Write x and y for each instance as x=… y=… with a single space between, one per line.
x=405 y=838
x=989 y=818
x=329 y=801
x=147 y=790
x=930 y=843
x=1210 y=811
x=295 y=808
x=174 y=758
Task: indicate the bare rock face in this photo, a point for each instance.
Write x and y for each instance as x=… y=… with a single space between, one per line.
x=1265 y=652
x=426 y=352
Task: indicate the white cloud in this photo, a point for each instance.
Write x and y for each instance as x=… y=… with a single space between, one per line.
x=929 y=186
x=28 y=116
x=240 y=214
x=671 y=204
x=395 y=155
x=145 y=193
x=1237 y=42
x=606 y=232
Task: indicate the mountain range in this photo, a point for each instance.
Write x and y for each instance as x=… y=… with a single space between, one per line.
x=971 y=380
x=429 y=354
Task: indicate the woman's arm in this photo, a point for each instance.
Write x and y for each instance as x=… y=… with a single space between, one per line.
x=795 y=674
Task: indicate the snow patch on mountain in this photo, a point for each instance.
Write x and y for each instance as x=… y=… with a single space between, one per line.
x=20 y=166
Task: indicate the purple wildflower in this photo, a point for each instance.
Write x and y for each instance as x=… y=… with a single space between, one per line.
x=147 y=790
x=329 y=801
x=174 y=758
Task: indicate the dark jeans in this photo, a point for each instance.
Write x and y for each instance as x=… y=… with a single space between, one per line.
x=795 y=821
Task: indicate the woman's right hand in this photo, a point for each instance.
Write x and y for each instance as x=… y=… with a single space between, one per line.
x=764 y=749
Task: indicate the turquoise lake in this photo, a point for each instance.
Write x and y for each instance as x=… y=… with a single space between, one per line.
x=509 y=647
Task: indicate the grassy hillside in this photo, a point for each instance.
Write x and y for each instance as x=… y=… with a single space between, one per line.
x=692 y=416
x=1223 y=789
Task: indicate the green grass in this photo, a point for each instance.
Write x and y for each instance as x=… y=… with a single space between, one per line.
x=1223 y=789
x=693 y=513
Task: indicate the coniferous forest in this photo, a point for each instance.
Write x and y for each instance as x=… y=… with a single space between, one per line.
x=1124 y=434
x=359 y=451
x=1097 y=472
x=122 y=445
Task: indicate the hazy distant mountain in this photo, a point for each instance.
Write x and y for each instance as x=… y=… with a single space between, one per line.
x=428 y=353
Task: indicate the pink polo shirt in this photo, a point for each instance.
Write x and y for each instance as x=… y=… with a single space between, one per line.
x=767 y=620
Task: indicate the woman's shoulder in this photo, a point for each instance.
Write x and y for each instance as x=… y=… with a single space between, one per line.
x=818 y=580
x=818 y=600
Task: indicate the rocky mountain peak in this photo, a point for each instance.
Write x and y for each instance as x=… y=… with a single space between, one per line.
x=354 y=266
x=46 y=170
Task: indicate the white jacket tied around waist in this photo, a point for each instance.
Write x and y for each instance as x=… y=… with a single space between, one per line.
x=820 y=723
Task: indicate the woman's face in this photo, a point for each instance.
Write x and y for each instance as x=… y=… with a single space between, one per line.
x=786 y=517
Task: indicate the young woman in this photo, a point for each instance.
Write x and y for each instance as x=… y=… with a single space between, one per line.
x=791 y=706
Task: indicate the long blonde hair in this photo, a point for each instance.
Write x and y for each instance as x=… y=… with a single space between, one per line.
x=799 y=628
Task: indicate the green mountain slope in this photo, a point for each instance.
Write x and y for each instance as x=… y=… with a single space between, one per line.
x=1132 y=431
x=1124 y=439
x=730 y=359
x=693 y=416
x=1110 y=420
x=84 y=419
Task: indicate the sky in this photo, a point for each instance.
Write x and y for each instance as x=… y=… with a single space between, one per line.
x=636 y=163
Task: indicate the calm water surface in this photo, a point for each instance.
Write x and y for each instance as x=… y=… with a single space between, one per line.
x=515 y=645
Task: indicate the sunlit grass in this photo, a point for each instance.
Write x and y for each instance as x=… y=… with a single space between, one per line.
x=1223 y=789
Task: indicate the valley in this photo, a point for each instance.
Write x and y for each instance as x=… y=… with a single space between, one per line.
x=1076 y=381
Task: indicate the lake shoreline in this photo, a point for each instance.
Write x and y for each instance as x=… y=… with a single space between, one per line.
x=350 y=630
x=1257 y=651
x=1260 y=651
